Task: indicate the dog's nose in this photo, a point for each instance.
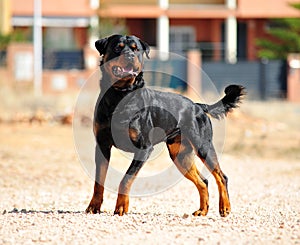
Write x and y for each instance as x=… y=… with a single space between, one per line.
x=129 y=55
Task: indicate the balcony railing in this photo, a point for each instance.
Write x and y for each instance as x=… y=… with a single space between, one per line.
x=63 y=60
x=155 y=2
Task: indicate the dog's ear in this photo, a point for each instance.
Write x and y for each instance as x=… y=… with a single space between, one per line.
x=146 y=48
x=101 y=45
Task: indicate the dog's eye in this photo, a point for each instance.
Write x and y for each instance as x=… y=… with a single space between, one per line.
x=119 y=47
x=134 y=47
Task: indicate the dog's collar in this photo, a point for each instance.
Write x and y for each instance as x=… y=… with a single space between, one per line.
x=138 y=83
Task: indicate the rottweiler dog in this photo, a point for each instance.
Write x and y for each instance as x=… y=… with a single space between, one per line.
x=127 y=112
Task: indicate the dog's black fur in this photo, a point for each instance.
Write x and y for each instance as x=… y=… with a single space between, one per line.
x=127 y=110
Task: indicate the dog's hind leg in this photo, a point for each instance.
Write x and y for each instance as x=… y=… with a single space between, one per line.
x=201 y=140
x=102 y=160
x=127 y=181
x=209 y=157
x=181 y=152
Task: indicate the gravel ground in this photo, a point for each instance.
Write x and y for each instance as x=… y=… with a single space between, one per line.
x=44 y=192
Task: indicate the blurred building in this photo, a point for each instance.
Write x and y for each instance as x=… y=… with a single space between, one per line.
x=67 y=56
x=65 y=26
x=65 y=23
x=5 y=16
x=221 y=29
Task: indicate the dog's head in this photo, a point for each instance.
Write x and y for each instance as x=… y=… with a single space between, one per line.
x=122 y=58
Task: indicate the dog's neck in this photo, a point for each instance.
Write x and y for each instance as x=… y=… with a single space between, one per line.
x=105 y=84
x=138 y=83
x=107 y=92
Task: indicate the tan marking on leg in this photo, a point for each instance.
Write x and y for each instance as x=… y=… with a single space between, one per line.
x=97 y=199
x=122 y=205
x=182 y=154
x=194 y=175
x=133 y=134
x=96 y=128
x=224 y=203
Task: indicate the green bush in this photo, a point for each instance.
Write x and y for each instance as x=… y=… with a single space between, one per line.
x=285 y=38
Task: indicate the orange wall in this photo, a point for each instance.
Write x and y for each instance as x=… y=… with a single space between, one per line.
x=53 y=7
x=266 y=9
x=154 y=2
x=245 y=9
x=203 y=27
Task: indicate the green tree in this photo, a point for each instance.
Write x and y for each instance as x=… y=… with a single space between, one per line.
x=285 y=38
x=15 y=36
x=109 y=26
x=4 y=41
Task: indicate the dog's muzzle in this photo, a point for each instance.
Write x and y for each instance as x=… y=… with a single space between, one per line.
x=120 y=72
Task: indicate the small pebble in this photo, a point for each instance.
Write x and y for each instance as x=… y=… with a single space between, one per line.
x=185 y=216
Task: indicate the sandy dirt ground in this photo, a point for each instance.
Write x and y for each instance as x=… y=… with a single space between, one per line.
x=44 y=189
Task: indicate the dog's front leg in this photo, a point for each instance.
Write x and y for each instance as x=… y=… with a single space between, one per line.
x=102 y=157
x=127 y=181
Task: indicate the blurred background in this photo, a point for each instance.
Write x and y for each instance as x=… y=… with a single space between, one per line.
x=47 y=52
x=46 y=56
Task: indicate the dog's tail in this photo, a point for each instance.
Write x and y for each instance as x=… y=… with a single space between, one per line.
x=233 y=96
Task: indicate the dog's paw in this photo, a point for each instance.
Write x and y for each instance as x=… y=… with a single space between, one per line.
x=224 y=207
x=225 y=211
x=122 y=205
x=120 y=211
x=200 y=212
x=93 y=209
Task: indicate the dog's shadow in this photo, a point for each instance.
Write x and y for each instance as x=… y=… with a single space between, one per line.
x=30 y=211
x=105 y=213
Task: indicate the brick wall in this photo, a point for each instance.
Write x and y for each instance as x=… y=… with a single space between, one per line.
x=19 y=70
x=293 y=80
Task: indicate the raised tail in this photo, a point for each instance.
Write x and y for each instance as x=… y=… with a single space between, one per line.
x=233 y=96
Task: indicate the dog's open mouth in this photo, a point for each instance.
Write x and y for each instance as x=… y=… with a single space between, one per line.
x=128 y=70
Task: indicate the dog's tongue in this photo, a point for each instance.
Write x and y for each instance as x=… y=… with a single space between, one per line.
x=128 y=69
x=123 y=71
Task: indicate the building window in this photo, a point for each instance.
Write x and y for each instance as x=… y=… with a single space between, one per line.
x=59 y=38
x=182 y=38
x=61 y=50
